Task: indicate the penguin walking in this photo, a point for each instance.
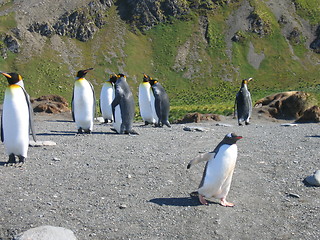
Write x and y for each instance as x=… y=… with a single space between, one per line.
x=123 y=107
x=106 y=98
x=16 y=120
x=83 y=103
x=219 y=169
x=243 y=103
x=145 y=101
x=161 y=104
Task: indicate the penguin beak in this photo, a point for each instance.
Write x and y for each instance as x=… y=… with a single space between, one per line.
x=238 y=137
x=6 y=75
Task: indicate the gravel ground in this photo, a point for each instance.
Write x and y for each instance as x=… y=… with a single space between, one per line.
x=109 y=186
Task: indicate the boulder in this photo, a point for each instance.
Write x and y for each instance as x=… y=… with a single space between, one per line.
x=46 y=233
x=50 y=104
x=285 y=105
x=198 y=117
x=311 y=115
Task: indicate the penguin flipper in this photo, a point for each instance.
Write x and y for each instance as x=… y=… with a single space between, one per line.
x=2 y=138
x=72 y=106
x=204 y=157
x=31 y=125
x=94 y=100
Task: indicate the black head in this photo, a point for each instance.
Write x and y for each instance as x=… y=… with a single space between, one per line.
x=12 y=78
x=231 y=138
x=146 y=78
x=120 y=75
x=82 y=73
x=246 y=81
x=153 y=81
x=113 y=78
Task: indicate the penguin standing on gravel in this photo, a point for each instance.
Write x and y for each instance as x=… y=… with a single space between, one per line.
x=106 y=98
x=145 y=103
x=219 y=169
x=83 y=103
x=161 y=104
x=17 y=119
x=123 y=107
x=243 y=103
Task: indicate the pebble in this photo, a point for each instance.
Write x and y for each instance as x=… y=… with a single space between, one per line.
x=41 y=143
x=314 y=179
x=223 y=125
x=195 y=129
x=122 y=206
x=289 y=125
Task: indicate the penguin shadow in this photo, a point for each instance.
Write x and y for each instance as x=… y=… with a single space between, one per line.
x=62 y=121
x=179 y=202
x=72 y=133
x=313 y=136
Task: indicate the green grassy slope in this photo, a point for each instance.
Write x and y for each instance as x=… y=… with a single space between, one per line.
x=116 y=49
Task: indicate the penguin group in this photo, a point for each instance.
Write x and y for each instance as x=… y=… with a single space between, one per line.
x=118 y=107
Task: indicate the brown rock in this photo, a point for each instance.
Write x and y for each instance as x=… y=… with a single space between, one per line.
x=285 y=105
x=311 y=115
x=198 y=117
x=50 y=104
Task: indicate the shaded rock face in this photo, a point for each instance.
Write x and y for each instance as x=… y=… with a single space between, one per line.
x=50 y=104
x=148 y=13
x=315 y=45
x=311 y=115
x=285 y=105
x=198 y=117
x=79 y=24
x=10 y=43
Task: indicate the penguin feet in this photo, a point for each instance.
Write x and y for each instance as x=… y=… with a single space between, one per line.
x=224 y=203
x=11 y=161
x=80 y=131
x=247 y=123
x=240 y=124
x=87 y=131
x=202 y=200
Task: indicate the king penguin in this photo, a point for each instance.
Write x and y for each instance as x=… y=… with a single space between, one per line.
x=123 y=107
x=83 y=103
x=106 y=98
x=219 y=169
x=243 y=103
x=145 y=101
x=161 y=104
x=16 y=120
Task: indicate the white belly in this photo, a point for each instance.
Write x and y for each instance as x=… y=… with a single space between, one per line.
x=118 y=120
x=106 y=98
x=219 y=173
x=83 y=103
x=146 y=111
x=15 y=121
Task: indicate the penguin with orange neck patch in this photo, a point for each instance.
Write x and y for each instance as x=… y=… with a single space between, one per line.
x=83 y=103
x=16 y=120
x=161 y=103
x=244 y=103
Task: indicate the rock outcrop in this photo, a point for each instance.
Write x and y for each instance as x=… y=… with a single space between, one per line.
x=80 y=24
x=50 y=104
x=198 y=117
x=311 y=115
x=285 y=105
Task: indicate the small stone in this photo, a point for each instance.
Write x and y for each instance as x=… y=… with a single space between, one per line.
x=123 y=206
x=129 y=176
x=289 y=125
x=46 y=232
x=99 y=119
x=41 y=143
x=194 y=129
x=56 y=159
x=223 y=125
x=293 y=195
x=314 y=179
